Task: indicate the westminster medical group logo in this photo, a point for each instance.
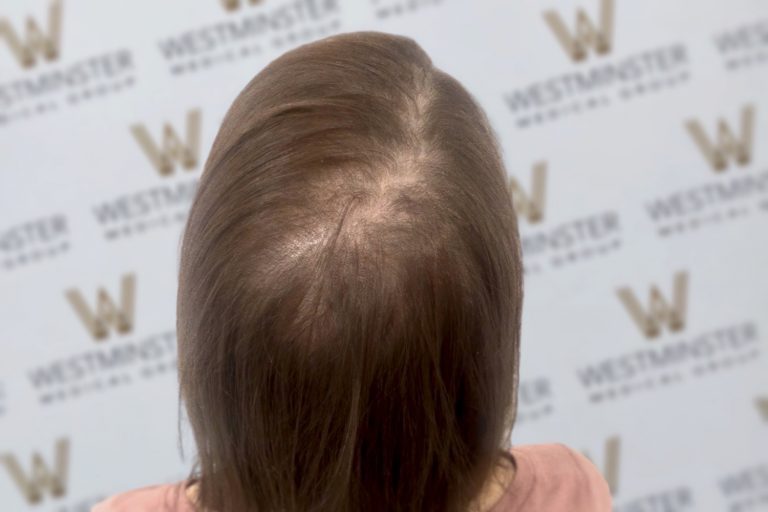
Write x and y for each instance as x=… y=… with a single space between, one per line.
x=733 y=184
x=672 y=351
x=552 y=245
x=596 y=73
x=586 y=35
x=172 y=149
x=660 y=311
x=114 y=351
x=107 y=313
x=49 y=79
x=249 y=33
x=726 y=146
x=41 y=479
x=36 y=43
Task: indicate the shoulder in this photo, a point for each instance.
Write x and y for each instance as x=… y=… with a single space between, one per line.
x=563 y=477
x=154 y=498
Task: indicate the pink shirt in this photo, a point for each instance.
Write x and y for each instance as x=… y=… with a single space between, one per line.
x=554 y=478
x=549 y=478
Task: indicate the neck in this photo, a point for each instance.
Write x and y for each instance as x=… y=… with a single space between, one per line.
x=502 y=477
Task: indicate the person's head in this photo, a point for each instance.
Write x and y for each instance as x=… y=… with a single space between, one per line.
x=350 y=288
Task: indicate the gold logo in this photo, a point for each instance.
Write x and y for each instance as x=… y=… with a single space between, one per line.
x=727 y=145
x=41 y=478
x=107 y=313
x=232 y=5
x=611 y=459
x=37 y=42
x=660 y=312
x=586 y=34
x=762 y=405
x=172 y=147
x=531 y=206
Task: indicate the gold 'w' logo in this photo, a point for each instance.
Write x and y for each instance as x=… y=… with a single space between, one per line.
x=727 y=144
x=531 y=206
x=611 y=458
x=42 y=477
x=660 y=311
x=172 y=148
x=232 y=5
x=37 y=42
x=587 y=34
x=107 y=313
x=762 y=406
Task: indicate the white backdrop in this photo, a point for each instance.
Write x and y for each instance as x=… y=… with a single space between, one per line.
x=646 y=308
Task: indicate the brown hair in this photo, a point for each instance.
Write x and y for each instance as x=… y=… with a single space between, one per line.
x=350 y=289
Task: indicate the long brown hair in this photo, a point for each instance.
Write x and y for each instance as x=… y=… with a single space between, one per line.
x=350 y=289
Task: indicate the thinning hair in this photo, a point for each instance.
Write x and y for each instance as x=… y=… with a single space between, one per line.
x=350 y=289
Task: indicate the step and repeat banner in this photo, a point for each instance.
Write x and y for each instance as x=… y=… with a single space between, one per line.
x=635 y=135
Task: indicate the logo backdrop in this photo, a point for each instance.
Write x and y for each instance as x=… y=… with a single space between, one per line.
x=635 y=136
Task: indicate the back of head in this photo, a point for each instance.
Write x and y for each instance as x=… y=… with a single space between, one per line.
x=350 y=288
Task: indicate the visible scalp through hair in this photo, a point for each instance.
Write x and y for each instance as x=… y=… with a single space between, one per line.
x=350 y=289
